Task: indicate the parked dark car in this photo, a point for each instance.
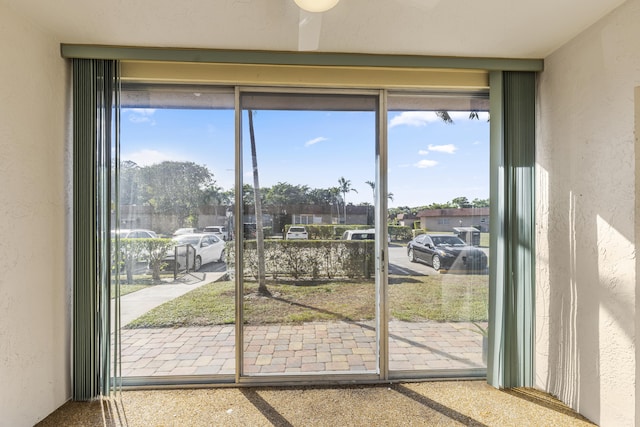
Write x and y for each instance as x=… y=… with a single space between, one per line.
x=447 y=252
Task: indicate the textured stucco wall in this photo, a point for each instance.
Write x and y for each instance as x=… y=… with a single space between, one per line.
x=586 y=277
x=34 y=294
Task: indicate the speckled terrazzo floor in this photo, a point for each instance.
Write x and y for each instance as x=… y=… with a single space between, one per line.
x=446 y=403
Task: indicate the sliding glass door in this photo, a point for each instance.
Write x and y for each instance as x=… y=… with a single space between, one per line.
x=270 y=234
x=171 y=229
x=308 y=278
x=438 y=175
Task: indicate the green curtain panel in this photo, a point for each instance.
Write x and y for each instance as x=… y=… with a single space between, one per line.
x=94 y=93
x=512 y=292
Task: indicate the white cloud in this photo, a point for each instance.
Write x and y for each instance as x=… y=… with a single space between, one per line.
x=140 y=115
x=314 y=141
x=423 y=152
x=423 y=164
x=151 y=157
x=413 y=118
x=422 y=118
x=448 y=148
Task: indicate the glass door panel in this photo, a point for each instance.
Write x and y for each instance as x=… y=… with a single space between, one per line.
x=172 y=229
x=308 y=280
x=438 y=176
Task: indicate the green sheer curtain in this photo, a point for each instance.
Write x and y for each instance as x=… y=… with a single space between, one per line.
x=512 y=292
x=94 y=106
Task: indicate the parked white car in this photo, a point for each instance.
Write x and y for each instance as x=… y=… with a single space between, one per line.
x=369 y=234
x=297 y=232
x=208 y=248
x=181 y=231
x=134 y=234
x=219 y=230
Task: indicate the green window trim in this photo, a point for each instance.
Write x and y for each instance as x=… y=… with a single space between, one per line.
x=223 y=56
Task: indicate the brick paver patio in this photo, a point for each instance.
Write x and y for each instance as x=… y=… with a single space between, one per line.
x=329 y=347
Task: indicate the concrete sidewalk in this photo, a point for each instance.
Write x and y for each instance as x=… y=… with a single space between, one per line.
x=136 y=304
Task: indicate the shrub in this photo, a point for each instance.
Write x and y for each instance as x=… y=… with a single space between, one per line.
x=134 y=250
x=400 y=232
x=418 y=231
x=309 y=258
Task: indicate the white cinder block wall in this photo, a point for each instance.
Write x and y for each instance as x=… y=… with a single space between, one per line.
x=586 y=196
x=34 y=295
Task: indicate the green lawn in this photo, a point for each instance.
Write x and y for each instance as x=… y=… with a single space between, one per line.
x=140 y=281
x=127 y=289
x=437 y=298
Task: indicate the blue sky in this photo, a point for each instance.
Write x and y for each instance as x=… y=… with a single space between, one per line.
x=429 y=160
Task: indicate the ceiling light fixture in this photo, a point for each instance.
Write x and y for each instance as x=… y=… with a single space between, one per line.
x=316 y=5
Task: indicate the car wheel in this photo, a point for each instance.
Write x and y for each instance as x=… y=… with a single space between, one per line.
x=412 y=256
x=221 y=256
x=435 y=262
x=197 y=264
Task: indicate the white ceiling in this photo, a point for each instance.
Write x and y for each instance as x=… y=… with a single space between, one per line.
x=478 y=28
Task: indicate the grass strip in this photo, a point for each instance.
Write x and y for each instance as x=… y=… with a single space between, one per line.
x=437 y=298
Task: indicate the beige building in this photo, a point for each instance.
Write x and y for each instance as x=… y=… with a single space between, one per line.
x=587 y=201
x=448 y=219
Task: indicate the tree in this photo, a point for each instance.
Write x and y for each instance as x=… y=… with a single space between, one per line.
x=461 y=202
x=373 y=188
x=176 y=188
x=217 y=197
x=322 y=196
x=262 y=285
x=345 y=187
x=129 y=183
x=480 y=203
x=285 y=194
x=445 y=117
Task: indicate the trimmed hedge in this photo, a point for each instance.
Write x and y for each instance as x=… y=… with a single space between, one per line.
x=134 y=250
x=312 y=259
x=333 y=231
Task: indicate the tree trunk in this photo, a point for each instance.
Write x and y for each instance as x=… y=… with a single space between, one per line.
x=344 y=202
x=262 y=286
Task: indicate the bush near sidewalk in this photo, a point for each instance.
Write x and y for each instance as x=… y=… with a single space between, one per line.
x=132 y=251
x=312 y=259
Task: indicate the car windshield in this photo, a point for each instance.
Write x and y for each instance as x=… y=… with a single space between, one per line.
x=296 y=229
x=447 y=241
x=187 y=239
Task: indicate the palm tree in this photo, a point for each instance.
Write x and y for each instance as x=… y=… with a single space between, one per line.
x=262 y=285
x=345 y=187
x=373 y=188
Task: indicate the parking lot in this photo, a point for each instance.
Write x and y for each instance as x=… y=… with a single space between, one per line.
x=399 y=264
